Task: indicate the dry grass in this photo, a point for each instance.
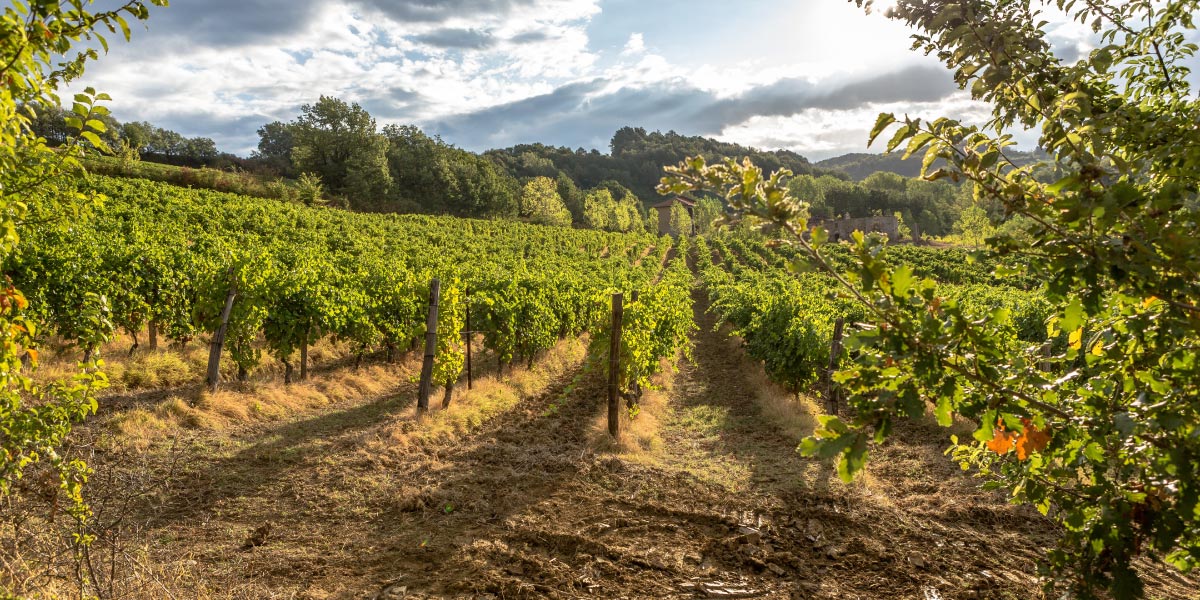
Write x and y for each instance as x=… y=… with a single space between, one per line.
x=794 y=415
x=641 y=429
x=254 y=403
x=490 y=395
x=172 y=365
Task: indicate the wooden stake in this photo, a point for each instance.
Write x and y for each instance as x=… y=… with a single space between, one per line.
x=218 y=342
x=304 y=357
x=435 y=292
x=637 y=387
x=835 y=351
x=469 y=335
x=153 y=335
x=614 y=363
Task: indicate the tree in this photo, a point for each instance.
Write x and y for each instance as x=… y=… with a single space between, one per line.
x=598 y=209
x=541 y=204
x=338 y=141
x=310 y=190
x=275 y=144
x=807 y=189
x=974 y=227
x=167 y=144
x=50 y=122
x=1103 y=438
x=36 y=40
x=571 y=195
x=681 y=221
x=431 y=176
x=200 y=150
x=630 y=209
x=140 y=135
x=418 y=184
x=706 y=212
x=367 y=176
x=902 y=229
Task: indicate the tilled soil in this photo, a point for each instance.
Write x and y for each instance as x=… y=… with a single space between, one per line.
x=524 y=507
x=728 y=513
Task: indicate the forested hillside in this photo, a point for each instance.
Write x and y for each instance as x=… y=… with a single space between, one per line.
x=860 y=165
x=334 y=151
x=635 y=160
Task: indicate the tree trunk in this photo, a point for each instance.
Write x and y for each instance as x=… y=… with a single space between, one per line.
x=449 y=395
x=287 y=372
x=153 y=333
x=358 y=360
x=134 y=347
x=390 y=353
x=243 y=374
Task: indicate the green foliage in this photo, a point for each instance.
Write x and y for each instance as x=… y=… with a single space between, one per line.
x=275 y=145
x=681 y=220
x=338 y=142
x=309 y=189
x=902 y=227
x=598 y=208
x=931 y=207
x=974 y=227
x=706 y=212
x=172 y=255
x=1100 y=432
x=657 y=325
x=540 y=203
x=451 y=353
x=858 y=165
x=430 y=176
x=631 y=219
x=635 y=160
x=36 y=41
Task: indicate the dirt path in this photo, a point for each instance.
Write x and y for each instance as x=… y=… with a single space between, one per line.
x=725 y=508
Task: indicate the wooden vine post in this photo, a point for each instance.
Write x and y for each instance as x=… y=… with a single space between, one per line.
x=218 y=343
x=614 y=363
x=435 y=292
x=637 y=386
x=835 y=351
x=304 y=354
x=468 y=334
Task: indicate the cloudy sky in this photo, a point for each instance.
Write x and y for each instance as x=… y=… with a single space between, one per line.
x=805 y=75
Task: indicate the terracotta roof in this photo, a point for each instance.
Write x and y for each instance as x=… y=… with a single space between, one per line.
x=667 y=203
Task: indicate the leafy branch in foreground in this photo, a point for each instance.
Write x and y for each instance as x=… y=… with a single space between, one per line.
x=35 y=41
x=1102 y=435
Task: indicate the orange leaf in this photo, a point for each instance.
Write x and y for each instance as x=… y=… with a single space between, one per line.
x=1001 y=443
x=1031 y=440
x=33 y=354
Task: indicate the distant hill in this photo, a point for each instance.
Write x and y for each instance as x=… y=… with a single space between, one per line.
x=636 y=160
x=859 y=165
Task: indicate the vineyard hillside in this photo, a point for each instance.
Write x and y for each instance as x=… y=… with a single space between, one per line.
x=307 y=469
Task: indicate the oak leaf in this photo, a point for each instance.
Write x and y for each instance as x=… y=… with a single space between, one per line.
x=1031 y=440
x=1002 y=441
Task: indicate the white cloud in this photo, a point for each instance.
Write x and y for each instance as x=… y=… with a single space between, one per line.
x=635 y=45
x=419 y=62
